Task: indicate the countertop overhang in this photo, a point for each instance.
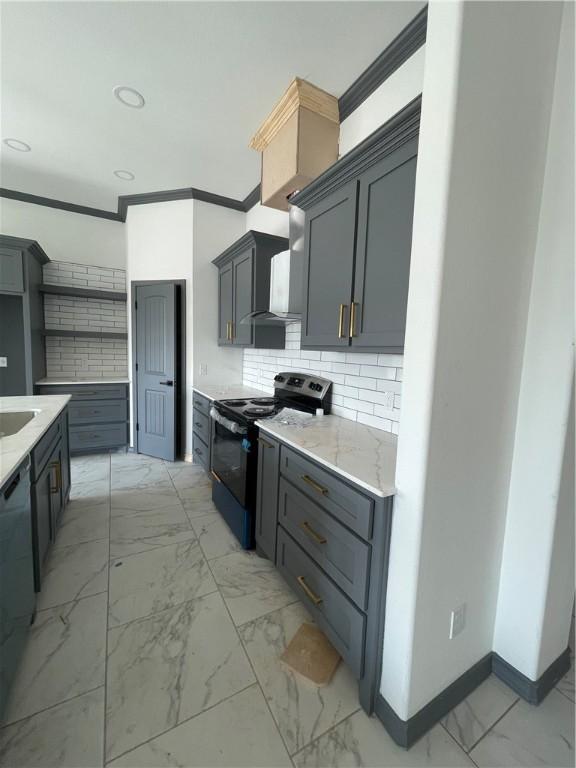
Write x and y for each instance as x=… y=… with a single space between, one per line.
x=15 y=448
x=228 y=391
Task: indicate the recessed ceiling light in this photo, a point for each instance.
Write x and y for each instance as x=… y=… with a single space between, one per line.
x=130 y=97
x=19 y=146
x=125 y=175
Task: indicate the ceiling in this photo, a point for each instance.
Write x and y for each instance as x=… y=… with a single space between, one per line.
x=210 y=72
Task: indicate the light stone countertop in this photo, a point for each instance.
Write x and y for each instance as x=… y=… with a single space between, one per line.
x=228 y=391
x=15 y=448
x=67 y=382
x=364 y=455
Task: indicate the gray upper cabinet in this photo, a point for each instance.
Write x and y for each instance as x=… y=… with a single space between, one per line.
x=358 y=238
x=244 y=287
x=11 y=269
x=329 y=242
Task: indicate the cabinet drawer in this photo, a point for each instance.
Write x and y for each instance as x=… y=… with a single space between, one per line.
x=89 y=438
x=342 y=622
x=87 y=391
x=339 y=552
x=43 y=449
x=93 y=412
x=201 y=403
x=201 y=452
x=348 y=505
x=201 y=425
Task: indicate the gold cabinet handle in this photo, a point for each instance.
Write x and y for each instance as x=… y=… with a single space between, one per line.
x=352 y=319
x=314 y=597
x=315 y=485
x=341 y=311
x=312 y=533
x=265 y=443
x=58 y=467
x=228 y=331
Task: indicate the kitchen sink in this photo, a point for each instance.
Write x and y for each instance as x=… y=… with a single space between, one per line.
x=12 y=422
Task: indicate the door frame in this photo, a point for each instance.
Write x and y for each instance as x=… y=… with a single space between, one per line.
x=180 y=363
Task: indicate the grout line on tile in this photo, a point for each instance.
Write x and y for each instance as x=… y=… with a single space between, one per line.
x=3 y=726
x=157 y=546
x=494 y=724
x=164 y=610
x=564 y=694
x=332 y=728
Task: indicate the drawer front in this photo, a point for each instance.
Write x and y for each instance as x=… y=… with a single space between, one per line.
x=348 y=505
x=94 y=412
x=201 y=403
x=89 y=438
x=338 y=618
x=41 y=452
x=201 y=425
x=87 y=391
x=201 y=452
x=339 y=552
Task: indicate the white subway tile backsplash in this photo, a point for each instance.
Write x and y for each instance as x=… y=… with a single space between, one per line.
x=366 y=386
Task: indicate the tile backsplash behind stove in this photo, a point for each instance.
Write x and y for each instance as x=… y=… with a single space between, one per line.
x=366 y=387
x=77 y=357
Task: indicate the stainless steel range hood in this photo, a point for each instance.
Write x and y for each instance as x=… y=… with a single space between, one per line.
x=286 y=276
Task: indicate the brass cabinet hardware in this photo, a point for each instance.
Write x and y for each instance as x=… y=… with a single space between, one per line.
x=215 y=476
x=312 y=533
x=58 y=467
x=352 y=319
x=341 y=311
x=229 y=330
x=314 y=484
x=314 y=597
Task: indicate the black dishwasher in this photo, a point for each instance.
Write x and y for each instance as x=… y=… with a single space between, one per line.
x=17 y=596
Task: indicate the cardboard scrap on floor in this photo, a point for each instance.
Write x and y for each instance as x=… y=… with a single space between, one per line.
x=310 y=654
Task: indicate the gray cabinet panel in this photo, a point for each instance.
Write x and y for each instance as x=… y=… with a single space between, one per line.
x=348 y=505
x=342 y=622
x=344 y=557
x=86 y=391
x=385 y=213
x=43 y=448
x=93 y=412
x=201 y=452
x=11 y=270
x=225 y=304
x=328 y=269
x=91 y=438
x=201 y=403
x=201 y=425
x=267 y=496
x=243 y=290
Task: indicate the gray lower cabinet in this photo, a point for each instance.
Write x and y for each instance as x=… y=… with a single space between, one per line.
x=98 y=415
x=267 y=495
x=201 y=431
x=330 y=540
x=11 y=269
x=358 y=238
x=244 y=287
x=50 y=488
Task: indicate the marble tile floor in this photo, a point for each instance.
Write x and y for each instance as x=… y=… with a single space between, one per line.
x=157 y=643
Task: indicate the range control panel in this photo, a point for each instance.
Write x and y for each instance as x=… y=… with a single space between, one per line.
x=312 y=386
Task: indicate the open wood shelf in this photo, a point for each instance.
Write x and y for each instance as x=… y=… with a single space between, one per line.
x=84 y=334
x=87 y=293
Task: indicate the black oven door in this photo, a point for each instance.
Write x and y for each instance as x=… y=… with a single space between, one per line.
x=232 y=456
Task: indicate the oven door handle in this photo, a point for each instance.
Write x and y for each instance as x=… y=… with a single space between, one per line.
x=231 y=426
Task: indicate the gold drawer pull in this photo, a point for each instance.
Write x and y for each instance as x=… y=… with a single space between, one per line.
x=312 y=533
x=314 y=484
x=265 y=443
x=58 y=467
x=341 y=320
x=352 y=319
x=315 y=599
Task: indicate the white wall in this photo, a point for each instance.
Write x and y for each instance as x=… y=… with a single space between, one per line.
x=533 y=617
x=66 y=236
x=479 y=179
x=160 y=242
x=262 y=219
x=215 y=228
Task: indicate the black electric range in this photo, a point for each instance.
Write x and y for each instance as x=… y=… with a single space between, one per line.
x=235 y=444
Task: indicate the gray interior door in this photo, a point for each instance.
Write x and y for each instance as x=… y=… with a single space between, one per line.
x=328 y=268
x=225 y=302
x=385 y=213
x=243 y=287
x=155 y=358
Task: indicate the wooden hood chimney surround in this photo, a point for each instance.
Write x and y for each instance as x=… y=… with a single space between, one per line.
x=298 y=141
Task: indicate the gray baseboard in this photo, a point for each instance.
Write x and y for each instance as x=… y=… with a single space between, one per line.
x=407 y=732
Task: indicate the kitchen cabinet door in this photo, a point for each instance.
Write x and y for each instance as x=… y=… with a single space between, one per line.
x=55 y=467
x=11 y=270
x=41 y=521
x=225 y=304
x=65 y=459
x=267 y=495
x=384 y=242
x=243 y=266
x=329 y=243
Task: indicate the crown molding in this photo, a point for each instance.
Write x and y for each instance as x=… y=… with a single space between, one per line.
x=404 y=45
x=50 y=202
x=32 y=246
x=250 y=239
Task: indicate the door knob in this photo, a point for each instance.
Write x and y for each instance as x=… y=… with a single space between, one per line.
x=168 y=383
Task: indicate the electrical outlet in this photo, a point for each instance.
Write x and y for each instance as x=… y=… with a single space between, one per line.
x=203 y=369
x=3 y=362
x=457 y=621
